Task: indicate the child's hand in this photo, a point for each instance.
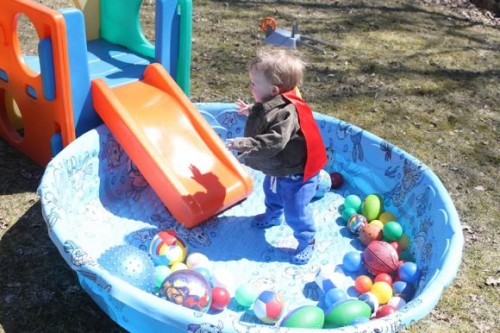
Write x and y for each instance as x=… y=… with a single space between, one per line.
x=242 y=107
x=230 y=144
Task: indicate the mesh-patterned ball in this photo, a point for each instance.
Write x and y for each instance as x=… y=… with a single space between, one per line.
x=268 y=307
x=167 y=249
x=356 y=223
x=130 y=265
x=324 y=184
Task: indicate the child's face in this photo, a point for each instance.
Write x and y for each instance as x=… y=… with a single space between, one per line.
x=260 y=87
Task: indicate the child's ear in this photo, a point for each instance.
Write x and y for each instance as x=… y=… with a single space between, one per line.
x=276 y=90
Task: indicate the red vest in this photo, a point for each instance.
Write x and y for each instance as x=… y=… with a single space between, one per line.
x=316 y=151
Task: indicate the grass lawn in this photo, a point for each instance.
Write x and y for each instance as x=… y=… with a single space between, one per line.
x=424 y=77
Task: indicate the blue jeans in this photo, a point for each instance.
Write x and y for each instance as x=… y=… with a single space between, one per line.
x=291 y=196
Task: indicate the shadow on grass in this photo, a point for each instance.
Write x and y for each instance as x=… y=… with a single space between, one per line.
x=38 y=291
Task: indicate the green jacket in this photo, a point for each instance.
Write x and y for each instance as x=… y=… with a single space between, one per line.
x=273 y=142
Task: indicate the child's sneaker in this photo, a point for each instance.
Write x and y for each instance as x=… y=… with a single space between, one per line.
x=302 y=257
x=262 y=222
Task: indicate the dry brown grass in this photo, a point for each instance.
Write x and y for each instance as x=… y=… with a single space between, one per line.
x=424 y=78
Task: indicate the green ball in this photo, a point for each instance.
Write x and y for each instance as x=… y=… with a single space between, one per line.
x=246 y=295
x=347 y=213
x=353 y=201
x=392 y=231
x=372 y=207
x=308 y=316
x=346 y=312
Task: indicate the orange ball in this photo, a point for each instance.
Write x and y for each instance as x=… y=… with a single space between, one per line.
x=363 y=284
x=370 y=232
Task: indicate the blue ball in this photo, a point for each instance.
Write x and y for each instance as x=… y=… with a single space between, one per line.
x=404 y=290
x=352 y=261
x=409 y=272
x=131 y=265
x=335 y=295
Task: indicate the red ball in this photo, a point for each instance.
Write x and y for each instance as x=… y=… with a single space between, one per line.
x=363 y=284
x=384 y=277
x=385 y=310
x=220 y=298
x=396 y=246
x=380 y=257
x=337 y=180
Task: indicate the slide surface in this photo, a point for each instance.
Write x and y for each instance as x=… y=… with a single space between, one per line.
x=173 y=146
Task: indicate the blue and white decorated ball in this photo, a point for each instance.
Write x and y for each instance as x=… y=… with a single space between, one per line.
x=130 y=265
x=324 y=184
x=268 y=307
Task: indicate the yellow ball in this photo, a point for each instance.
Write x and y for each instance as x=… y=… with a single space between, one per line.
x=404 y=242
x=378 y=223
x=387 y=217
x=383 y=291
x=178 y=266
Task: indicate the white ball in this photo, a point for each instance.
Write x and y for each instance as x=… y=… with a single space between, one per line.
x=197 y=259
x=222 y=277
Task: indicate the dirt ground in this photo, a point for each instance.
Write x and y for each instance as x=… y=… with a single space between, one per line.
x=423 y=75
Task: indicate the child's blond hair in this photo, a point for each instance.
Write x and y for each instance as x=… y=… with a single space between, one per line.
x=282 y=68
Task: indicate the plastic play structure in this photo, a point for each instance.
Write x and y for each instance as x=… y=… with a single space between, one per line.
x=92 y=59
x=128 y=155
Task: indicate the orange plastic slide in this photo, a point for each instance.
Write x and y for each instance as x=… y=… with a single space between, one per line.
x=173 y=146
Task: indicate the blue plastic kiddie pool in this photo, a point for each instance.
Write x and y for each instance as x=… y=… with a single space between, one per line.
x=92 y=202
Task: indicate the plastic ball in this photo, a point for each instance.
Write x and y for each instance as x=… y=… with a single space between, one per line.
x=352 y=261
x=356 y=223
x=353 y=201
x=178 y=266
x=387 y=217
x=326 y=278
x=167 y=249
x=324 y=184
x=345 y=313
x=380 y=257
x=409 y=272
x=403 y=290
x=396 y=246
x=197 y=259
x=384 y=277
x=131 y=265
x=337 y=180
x=385 y=310
x=206 y=274
x=363 y=284
x=378 y=223
x=308 y=316
x=392 y=231
x=404 y=242
x=187 y=288
x=369 y=233
x=371 y=300
x=220 y=298
x=383 y=292
x=372 y=207
x=335 y=295
x=347 y=213
x=268 y=307
x=246 y=295
x=397 y=302
x=161 y=273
